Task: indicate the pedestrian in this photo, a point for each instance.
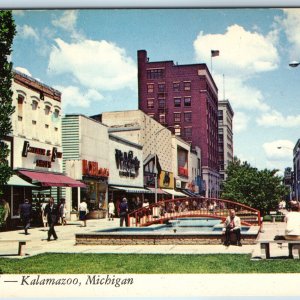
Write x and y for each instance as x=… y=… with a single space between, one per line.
x=83 y=211
x=63 y=212
x=5 y=213
x=51 y=212
x=44 y=217
x=123 y=208
x=111 y=210
x=292 y=219
x=25 y=214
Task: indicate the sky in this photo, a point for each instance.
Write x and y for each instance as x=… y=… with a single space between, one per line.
x=91 y=57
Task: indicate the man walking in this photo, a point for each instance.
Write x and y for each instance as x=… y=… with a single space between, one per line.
x=51 y=212
x=123 y=212
x=25 y=213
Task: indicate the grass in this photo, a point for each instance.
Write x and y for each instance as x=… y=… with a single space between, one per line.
x=145 y=264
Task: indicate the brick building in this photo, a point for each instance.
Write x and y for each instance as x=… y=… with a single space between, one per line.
x=185 y=99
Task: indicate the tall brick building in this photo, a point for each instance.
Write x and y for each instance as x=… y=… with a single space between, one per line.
x=185 y=99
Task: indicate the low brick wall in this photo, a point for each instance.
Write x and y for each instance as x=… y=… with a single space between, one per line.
x=118 y=239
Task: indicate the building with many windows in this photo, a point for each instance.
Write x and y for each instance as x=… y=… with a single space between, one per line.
x=184 y=98
x=225 y=136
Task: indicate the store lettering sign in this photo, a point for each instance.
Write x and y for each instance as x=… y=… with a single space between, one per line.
x=52 y=154
x=91 y=168
x=127 y=164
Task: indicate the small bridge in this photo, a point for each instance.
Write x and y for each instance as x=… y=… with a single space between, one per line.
x=163 y=211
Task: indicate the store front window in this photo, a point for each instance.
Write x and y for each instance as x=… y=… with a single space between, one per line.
x=94 y=194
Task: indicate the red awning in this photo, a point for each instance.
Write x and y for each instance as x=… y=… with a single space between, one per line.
x=52 y=179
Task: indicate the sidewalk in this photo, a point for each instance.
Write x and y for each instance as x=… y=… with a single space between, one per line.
x=66 y=242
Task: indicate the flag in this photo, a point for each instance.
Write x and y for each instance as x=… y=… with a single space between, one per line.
x=215 y=53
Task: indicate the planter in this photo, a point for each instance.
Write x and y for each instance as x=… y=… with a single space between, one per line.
x=96 y=214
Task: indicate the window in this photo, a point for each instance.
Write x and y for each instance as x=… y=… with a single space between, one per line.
x=150 y=103
x=56 y=113
x=176 y=86
x=188 y=117
x=42 y=96
x=150 y=88
x=47 y=110
x=161 y=87
x=187 y=86
x=177 y=117
x=177 y=131
x=188 y=132
x=34 y=105
x=155 y=74
x=177 y=102
x=220 y=115
x=187 y=101
x=20 y=105
x=161 y=103
x=162 y=118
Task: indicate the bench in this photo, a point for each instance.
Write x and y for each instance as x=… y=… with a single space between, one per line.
x=21 y=244
x=293 y=246
x=275 y=215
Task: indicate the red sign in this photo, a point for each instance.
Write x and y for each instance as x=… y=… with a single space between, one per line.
x=183 y=171
x=91 y=168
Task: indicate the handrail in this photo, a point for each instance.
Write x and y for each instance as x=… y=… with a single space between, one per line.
x=192 y=207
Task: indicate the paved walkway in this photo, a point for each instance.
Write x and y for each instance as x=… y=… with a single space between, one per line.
x=66 y=242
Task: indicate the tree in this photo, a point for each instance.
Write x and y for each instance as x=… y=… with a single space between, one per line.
x=260 y=189
x=7 y=33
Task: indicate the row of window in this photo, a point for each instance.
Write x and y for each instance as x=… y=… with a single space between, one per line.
x=187 y=117
x=161 y=87
x=34 y=106
x=187 y=102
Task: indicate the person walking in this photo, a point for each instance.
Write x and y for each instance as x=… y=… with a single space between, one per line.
x=63 y=211
x=111 y=210
x=83 y=211
x=51 y=212
x=25 y=214
x=6 y=213
x=123 y=212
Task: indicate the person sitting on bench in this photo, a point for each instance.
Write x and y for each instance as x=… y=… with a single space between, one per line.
x=292 y=219
x=232 y=225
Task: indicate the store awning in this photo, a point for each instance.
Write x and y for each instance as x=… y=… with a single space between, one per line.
x=15 y=180
x=159 y=191
x=135 y=190
x=174 y=193
x=51 y=179
x=190 y=193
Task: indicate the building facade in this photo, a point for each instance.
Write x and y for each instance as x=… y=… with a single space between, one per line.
x=184 y=98
x=225 y=136
x=296 y=161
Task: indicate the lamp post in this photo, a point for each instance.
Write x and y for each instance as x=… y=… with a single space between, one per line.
x=294 y=64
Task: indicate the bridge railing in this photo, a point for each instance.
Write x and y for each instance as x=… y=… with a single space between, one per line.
x=165 y=210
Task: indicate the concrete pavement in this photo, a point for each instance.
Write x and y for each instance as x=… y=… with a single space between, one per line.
x=66 y=242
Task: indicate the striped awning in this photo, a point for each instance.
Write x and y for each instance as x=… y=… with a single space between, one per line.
x=174 y=193
x=158 y=190
x=15 y=180
x=190 y=193
x=134 y=190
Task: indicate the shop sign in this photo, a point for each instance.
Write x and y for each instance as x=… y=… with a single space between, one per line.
x=166 y=179
x=183 y=171
x=91 y=168
x=52 y=154
x=127 y=164
x=178 y=184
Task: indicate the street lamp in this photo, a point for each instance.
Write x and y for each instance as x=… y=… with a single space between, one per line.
x=294 y=64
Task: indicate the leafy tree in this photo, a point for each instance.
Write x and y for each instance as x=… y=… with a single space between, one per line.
x=260 y=189
x=7 y=32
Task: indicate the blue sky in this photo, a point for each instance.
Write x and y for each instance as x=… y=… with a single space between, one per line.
x=90 y=56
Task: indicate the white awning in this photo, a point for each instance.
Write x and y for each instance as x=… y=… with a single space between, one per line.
x=18 y=181
x=135 y=190
x=174 y=193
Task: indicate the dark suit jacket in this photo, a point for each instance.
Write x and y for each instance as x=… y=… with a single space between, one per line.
x=25 y=210
x=51 y=213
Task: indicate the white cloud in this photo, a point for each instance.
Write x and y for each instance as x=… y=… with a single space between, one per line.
x=24 y=71
x=72 y=96
x=241 y=95
x=27 y=32
x=98 y=65
x=240 y=122
x=278 y=150
x=241 y=52
x=291 y=25
x=67 y=22
x=276 y=119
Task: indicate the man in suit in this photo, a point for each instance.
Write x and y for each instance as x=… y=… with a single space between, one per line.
x=51 y=212
x=25 y=213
